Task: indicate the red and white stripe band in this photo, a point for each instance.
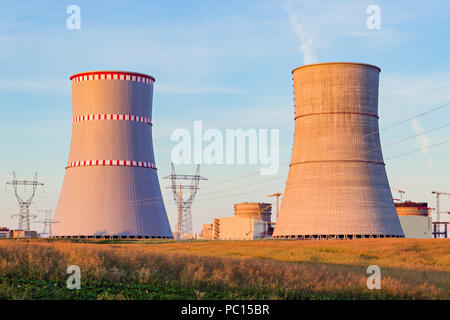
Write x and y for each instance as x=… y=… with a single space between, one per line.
x=112 y=117
x=112 y=75
x=127 y=163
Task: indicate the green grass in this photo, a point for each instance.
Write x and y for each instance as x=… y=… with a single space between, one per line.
x=19 y=289
x=155 y=269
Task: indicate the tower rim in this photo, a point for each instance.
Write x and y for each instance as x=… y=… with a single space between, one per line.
x=85 y=73
x=337 y=62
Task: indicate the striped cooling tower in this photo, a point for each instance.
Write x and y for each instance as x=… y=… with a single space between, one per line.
x=111 y=186
x=337 y=185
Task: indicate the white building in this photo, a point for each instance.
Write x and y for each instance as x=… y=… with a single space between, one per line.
x=415 y=219
x=240 y=228
x=418 y=227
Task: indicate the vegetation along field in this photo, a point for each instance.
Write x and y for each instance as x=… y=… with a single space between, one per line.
x=269 y=269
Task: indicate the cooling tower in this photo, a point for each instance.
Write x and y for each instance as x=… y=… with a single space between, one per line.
x=111 y=187
x=337 y=185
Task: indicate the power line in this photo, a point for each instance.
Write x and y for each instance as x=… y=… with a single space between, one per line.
x=375 y=132
x=237 y=178
x=417 y=150
x=396 y=124
x=47 y=222
x=371 y=150
x=435 y=89
x=310 y=178
x=159 y=199
x=411 y=137
x=245 y=186
x=237 y=194
x=184 y=219
x=369 y=134
x=418 y=68
x=24 y=212
x=151 y=200
x=416 y=116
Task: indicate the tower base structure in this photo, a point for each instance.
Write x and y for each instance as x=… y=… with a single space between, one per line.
x=111 y=188
x=337 y=187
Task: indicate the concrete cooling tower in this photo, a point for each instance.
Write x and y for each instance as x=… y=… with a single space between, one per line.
x=111 y=187
x=337 y=185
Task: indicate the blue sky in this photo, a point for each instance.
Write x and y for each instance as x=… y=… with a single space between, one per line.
x=228 y=64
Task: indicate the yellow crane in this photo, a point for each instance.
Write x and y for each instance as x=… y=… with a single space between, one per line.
x=278 y=197
x=438 y=193
x=401 y=192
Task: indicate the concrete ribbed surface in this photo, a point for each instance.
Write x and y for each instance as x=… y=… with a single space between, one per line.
x=337 y=183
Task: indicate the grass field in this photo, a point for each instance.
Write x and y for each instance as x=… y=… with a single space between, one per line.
x=266 y=269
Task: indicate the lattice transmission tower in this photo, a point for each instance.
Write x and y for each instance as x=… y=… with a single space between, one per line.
x=184 y=219
x=47 y=222
x=24 y=212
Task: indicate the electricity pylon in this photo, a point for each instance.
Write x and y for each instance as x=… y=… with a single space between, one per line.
x=47 y=222
x=184 y=218
x=24 y=212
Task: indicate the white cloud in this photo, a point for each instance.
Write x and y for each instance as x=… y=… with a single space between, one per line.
x=306 y=39
x=328 y=28
x=422 y=139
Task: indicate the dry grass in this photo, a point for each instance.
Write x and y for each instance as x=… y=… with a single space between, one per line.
x=411 y=269
x=410 y=254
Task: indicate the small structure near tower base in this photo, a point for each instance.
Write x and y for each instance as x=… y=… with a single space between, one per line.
x=415 y=219
x=251 y=220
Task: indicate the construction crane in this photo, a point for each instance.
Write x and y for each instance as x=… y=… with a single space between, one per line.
x=401 y=192
x=438 y=214
x=278 y=200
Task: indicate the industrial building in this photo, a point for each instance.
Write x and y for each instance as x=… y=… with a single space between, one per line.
x=207 y=232
x=111 y=187
x=239 y=228
x=440 y=229
x=17 y=234
x=250 y=221
x=415 y=219
x=337 y=185
x=256 y=210
x=4 y=232
x=189 y=236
